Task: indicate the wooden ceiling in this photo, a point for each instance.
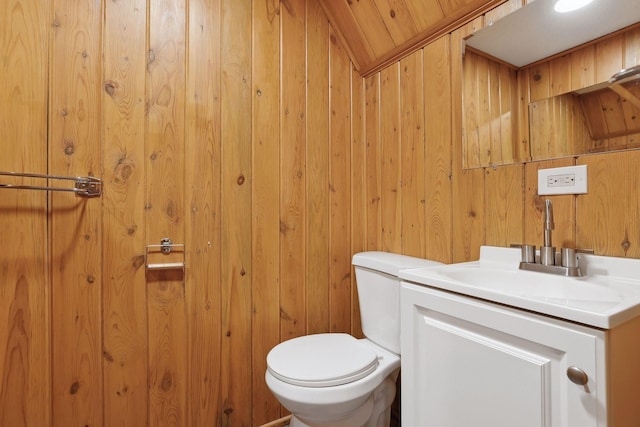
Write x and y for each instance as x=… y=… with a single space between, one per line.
x=379 y=32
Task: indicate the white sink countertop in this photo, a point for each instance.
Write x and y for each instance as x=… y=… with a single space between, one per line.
x=607 y=295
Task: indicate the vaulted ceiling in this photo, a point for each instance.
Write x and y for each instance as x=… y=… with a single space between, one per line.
x=378 y=32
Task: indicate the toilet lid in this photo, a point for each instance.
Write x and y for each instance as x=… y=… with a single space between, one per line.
x=321 y=360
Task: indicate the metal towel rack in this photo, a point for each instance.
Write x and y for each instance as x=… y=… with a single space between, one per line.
x=88 y=186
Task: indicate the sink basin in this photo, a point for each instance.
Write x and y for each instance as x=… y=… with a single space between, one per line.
x=597 y=291
x=607 y=295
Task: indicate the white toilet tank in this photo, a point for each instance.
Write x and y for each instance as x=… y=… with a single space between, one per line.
x=379 y=294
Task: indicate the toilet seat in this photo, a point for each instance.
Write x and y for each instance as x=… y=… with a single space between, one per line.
x=321 y=360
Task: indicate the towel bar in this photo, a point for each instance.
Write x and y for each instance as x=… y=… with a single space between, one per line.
x=87 y=186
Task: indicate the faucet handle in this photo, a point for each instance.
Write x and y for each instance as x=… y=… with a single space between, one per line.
x=568 y=257
x=528 y=253
x=548 y=255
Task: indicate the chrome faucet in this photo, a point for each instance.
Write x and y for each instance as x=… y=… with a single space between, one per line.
x=546 y=263
x=548 y=251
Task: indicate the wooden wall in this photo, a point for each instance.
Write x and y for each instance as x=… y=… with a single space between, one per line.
x=239 y=129
x=224 y=125
x=466 y=208
x=25 y=290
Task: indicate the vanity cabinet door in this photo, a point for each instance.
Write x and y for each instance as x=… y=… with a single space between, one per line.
x=468 y=362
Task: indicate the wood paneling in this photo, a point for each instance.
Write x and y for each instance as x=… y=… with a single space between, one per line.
x=491 y=104
x=265 y=196
x=491 y=110
x=504 y=205
x=412 y=158
x=236 y=212
x=609 y=57
x=124 y=289
x=610 y=115
x=549 y=140
x=74 y=150
x=358 y=197
x=373 y=162
x=396 y=17
x=390 y=159
x=594 y=121
x=242 y=130
x=608 y=217
x=223 y=125
x=468 y=198
x=583 y=72
x=438 y=133
x=380 y=32
x=292 y=171
x=203 y=212
x=632 y=48
x=165 y=211
x=25 y=285
x=339 y=190
x=318 y=173
x=407 y=181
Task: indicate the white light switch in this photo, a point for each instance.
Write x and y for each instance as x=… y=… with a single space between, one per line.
x=566 y=180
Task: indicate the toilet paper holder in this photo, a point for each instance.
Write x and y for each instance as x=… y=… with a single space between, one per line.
x=165 y=248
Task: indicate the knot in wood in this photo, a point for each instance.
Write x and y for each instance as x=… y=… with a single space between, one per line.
x=626 y=244
x=68 y=148
x=167 y=381
x=74 y=387
x=110 y=87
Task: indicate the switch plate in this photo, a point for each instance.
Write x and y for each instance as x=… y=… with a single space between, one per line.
x=566 y=180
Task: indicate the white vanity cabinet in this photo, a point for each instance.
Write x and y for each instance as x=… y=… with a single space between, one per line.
x=470 y=362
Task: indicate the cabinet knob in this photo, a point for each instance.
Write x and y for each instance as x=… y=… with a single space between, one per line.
x=577 y=375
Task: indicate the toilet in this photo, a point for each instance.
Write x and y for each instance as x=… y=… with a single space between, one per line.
x=336 y=380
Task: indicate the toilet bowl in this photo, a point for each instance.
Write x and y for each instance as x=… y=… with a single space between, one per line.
x=335 y=379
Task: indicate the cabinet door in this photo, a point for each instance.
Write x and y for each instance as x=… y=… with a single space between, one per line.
x=467 y=362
